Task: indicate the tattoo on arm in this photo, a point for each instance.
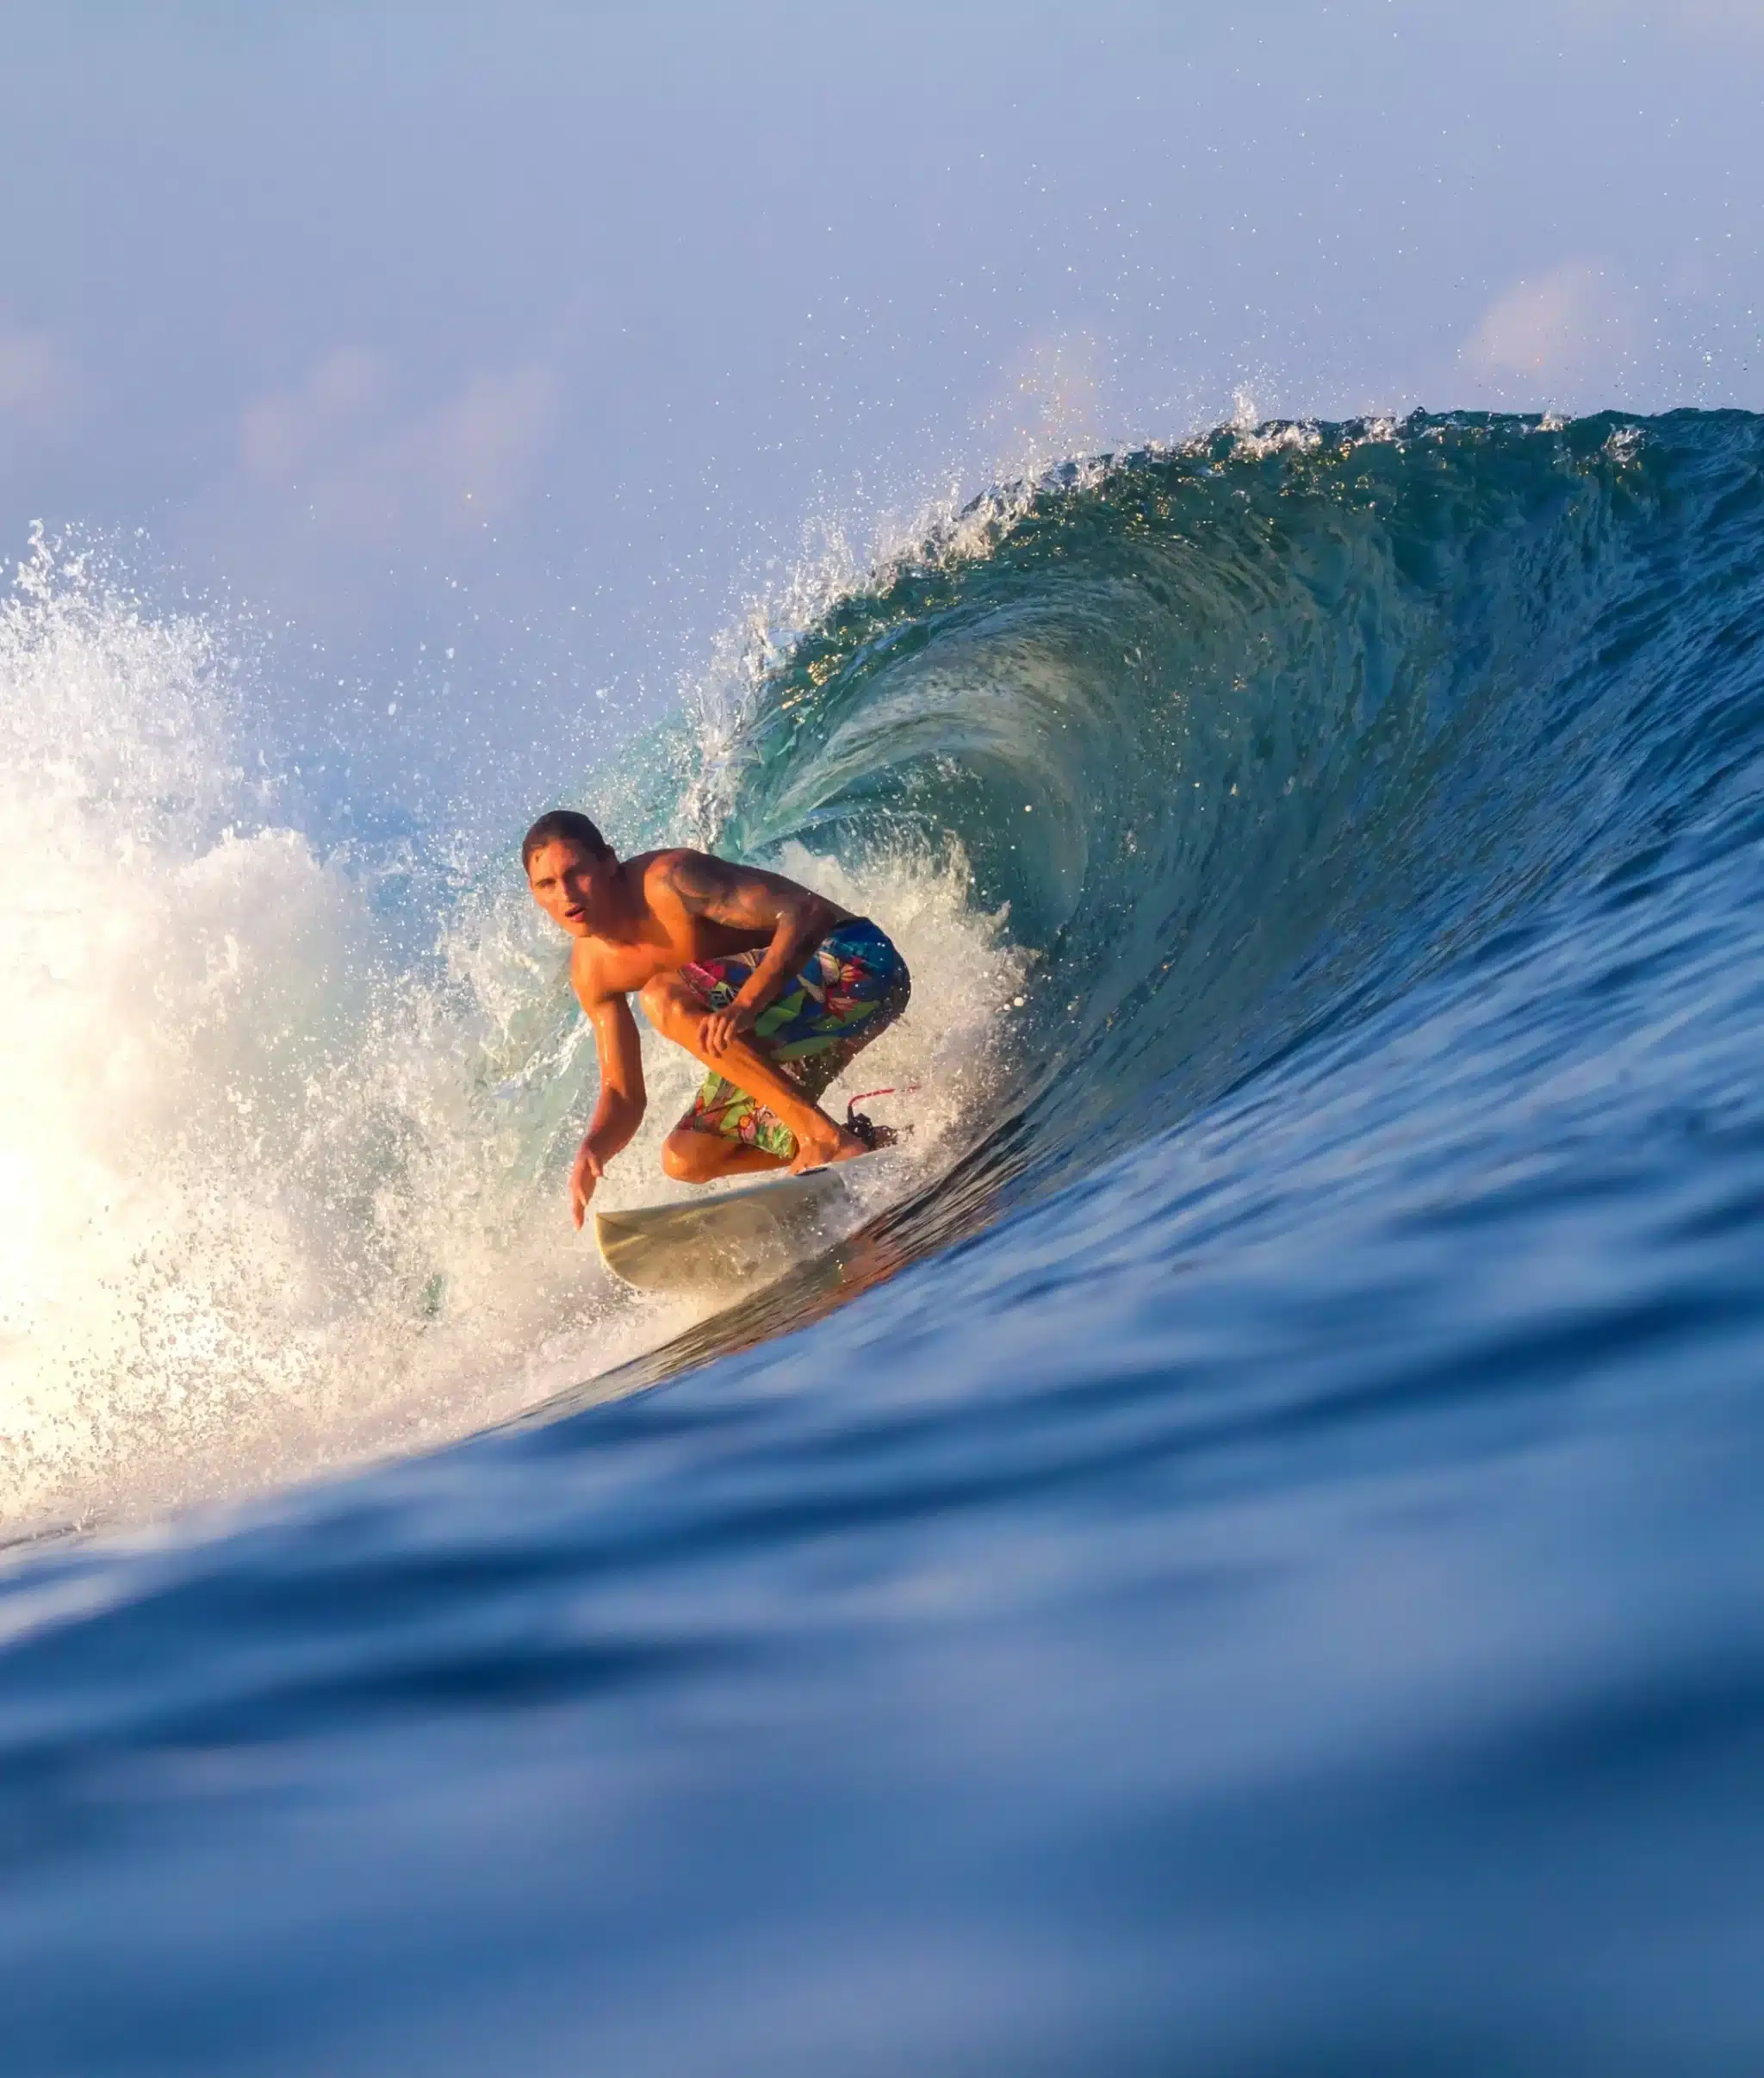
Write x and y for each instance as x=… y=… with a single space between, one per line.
x=742 y=897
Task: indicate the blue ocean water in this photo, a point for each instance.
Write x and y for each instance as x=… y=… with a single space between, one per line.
x=1249 y=1565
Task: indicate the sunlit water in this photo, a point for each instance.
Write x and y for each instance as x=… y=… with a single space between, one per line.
x=1247 y=1564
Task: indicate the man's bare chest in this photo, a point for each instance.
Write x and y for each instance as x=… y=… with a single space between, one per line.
x=622 y=969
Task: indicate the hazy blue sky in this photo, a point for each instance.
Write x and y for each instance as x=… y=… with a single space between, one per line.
x=575 y=319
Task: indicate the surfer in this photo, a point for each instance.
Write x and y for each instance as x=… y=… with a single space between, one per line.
x=773 y=987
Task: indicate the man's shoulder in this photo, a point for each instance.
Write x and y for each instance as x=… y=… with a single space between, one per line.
x=585 y=957
x=589 y=974
x=679 y=870
x=672 y=857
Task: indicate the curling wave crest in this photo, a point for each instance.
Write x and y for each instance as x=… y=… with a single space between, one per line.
x=1160 y=768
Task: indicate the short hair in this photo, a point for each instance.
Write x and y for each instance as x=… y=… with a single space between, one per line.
x=563 y=825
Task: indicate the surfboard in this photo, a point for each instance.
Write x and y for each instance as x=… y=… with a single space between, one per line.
x=729 y=1237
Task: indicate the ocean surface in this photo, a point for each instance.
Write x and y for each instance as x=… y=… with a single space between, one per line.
x=1242 y=1556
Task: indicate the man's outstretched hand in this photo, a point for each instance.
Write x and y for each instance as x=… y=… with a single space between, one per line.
x=585 y=1174
x=721 y=1026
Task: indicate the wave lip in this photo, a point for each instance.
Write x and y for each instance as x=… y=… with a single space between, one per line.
x=1162 y=768
x=1319 y=1535
x=1250 y=734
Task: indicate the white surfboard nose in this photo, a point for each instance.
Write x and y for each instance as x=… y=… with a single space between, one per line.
x=726 y=1239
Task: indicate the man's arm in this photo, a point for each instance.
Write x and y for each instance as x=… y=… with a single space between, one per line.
x=746 y=898
x=623 y=1099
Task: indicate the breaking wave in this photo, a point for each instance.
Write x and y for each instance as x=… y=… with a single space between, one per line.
x=1158 y=768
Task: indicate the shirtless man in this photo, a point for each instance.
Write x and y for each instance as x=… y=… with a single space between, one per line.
x=773 y=987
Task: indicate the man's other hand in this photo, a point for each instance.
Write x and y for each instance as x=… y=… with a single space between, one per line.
x=583 y=1176
x=721 y=1026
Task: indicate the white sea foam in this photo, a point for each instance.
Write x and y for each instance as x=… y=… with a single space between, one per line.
x=272 y=1199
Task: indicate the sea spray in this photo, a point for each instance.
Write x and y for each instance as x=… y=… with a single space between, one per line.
x=274 y=1196
x=1159 y=768
x=1283 y=1596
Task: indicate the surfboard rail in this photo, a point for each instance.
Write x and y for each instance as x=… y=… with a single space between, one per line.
x=727 y=1237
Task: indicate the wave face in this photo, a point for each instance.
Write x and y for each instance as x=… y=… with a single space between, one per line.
x=1250 y=736
x=1248 y=1565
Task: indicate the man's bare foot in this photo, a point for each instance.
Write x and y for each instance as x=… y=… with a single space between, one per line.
x=836 y=1144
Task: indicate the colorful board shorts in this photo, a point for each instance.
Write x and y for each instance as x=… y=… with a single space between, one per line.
x=854 y=985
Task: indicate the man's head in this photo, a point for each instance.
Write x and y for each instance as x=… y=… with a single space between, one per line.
x=570 y=865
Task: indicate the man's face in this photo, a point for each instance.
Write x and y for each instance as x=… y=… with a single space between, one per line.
x=567 y=880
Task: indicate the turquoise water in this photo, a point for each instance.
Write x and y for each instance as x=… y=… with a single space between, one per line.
x=1250 y=1564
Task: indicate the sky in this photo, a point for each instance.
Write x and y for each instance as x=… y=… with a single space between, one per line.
x=490 y=363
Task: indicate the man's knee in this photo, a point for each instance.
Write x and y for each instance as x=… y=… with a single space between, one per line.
x=670 y=1004
x=690 y=1157
x=677 y=1157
